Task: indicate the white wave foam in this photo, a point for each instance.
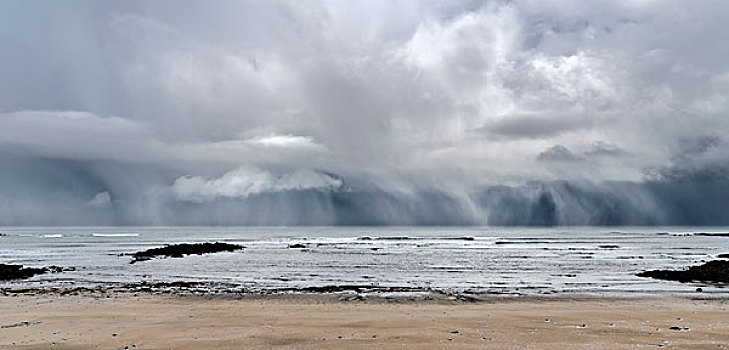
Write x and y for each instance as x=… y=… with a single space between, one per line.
x=115 y=234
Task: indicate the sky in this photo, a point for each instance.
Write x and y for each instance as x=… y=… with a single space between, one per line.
x=536 y=112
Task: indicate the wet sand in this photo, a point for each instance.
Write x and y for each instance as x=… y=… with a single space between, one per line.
x=320 y=322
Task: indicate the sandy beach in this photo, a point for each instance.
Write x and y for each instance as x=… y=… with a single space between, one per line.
x=125 y=321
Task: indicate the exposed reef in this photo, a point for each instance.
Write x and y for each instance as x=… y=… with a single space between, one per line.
x=716 y=271
x=12 y=272
x=711 y=234
x=180 y=250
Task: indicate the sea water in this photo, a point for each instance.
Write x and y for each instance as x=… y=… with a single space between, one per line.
x=483 y=260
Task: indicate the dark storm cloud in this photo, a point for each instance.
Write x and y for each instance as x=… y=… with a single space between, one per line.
x=186 y=112
x=557 y=153
x=533 y=126
x=695 y=147
x=701 y=159
x=604 y=149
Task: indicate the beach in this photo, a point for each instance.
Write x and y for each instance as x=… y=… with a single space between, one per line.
x=324 y=321
x=361 y=287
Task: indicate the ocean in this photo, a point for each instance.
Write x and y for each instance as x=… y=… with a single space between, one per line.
x=498 y=261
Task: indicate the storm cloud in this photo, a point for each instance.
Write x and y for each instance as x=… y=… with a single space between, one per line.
x=364 y=112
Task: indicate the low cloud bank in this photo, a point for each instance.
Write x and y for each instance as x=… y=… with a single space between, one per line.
x=243 y=182
x=103 y=193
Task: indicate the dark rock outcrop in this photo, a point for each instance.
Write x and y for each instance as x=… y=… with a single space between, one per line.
x=716 y=271
x=180 y=250
x=711 y=234
x=12 y=272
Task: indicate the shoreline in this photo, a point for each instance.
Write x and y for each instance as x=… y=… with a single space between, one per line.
x=345 y=293
x=315 y=321
x=538 y=262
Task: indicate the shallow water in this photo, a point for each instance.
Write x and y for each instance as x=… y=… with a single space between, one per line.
x=492 y=260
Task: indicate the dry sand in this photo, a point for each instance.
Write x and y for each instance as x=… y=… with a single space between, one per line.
x=173 y=322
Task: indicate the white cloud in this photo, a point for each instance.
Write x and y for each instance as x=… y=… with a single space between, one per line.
x=245 y=181
x=276 y=140
x=100 y=200
x=79 y=135
x=86 y=136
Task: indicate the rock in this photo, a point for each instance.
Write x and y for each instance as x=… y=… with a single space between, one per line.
x=716 y=271
x=57 y=269
x=712 y=234
x=296 y=246
x=11 y=272
x=19 y=324
x=180 y=250
x=723 y=256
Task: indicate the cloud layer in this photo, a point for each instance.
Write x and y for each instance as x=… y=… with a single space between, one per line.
x=129 y=112
x=244 y=182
